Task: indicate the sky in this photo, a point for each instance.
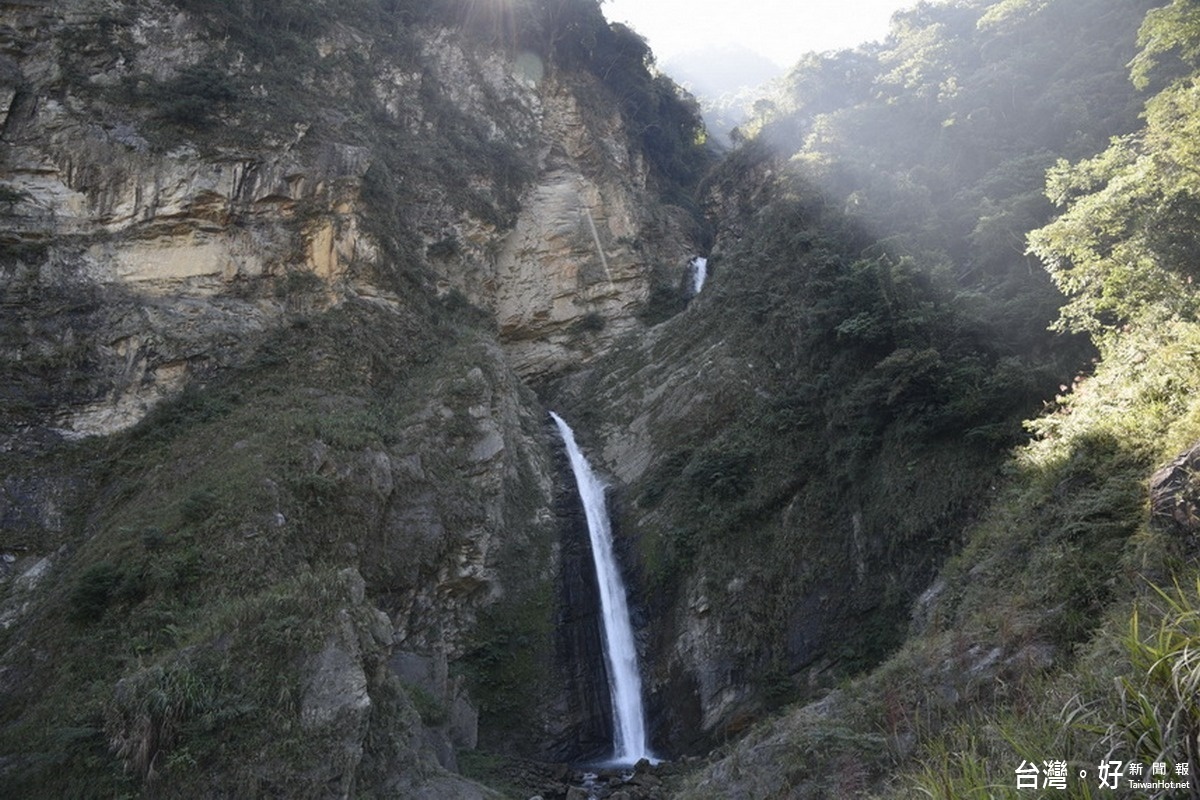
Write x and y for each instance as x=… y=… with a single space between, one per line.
x=781 y=30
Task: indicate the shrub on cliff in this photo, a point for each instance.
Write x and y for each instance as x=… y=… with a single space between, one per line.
x=194 y=98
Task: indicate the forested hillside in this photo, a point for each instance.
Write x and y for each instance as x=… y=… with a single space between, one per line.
x=1002 y=154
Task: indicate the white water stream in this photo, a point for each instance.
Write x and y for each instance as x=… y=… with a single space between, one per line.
x=699 y=273
x=620 y=654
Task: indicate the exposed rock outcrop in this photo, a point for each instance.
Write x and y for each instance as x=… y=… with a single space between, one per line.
x=272 y=285
x=1175 y=494
x=208 y=240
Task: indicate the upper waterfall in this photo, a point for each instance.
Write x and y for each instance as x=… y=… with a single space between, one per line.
x=699 y=267
x=620 y=654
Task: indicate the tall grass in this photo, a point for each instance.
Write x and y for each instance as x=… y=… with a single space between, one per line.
x=1158 y=703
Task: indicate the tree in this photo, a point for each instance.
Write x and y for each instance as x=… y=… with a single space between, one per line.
x=1169 y=34
x=1124 y=250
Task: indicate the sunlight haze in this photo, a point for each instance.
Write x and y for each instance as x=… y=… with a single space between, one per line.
x=781 y=32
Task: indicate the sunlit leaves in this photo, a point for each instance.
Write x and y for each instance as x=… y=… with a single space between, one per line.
x=922 y=62
x=1098 y=253
x=1010 y=12
x=1167 y=34
x=1125 y=249
x=1173 y=133
x=820 y=83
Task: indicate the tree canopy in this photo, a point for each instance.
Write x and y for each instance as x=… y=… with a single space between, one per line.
x=1124 y=250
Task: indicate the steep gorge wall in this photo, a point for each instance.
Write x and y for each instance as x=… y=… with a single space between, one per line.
x=777 y=534
x=249 y=418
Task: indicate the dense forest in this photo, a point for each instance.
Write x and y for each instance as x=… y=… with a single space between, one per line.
x=905 y=496
x=1016 y=180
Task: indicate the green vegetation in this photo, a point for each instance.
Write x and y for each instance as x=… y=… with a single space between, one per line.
x=180 y=629
x=1160 y=719
x=95 y=589
x=273 y=31
x=507 y=662
x=854 y=421
x=1064 y=626
x=194 y=98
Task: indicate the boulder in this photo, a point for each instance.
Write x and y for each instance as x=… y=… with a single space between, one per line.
x=1175 y=495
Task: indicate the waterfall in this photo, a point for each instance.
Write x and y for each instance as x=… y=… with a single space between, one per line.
x=699 y=273
x=620 y=655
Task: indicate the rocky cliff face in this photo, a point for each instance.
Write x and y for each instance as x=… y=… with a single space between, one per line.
x=130 y=176
x=270 y=294
x=576 y=271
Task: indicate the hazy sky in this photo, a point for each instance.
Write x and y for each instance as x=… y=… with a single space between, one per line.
x=781 y=30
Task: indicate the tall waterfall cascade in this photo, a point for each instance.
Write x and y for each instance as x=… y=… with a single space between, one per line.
x=620 y=654
x=699 y=266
